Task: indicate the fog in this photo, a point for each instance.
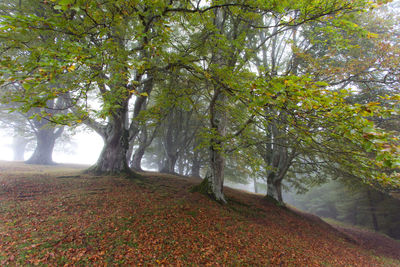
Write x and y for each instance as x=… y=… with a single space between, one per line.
x=84 y=148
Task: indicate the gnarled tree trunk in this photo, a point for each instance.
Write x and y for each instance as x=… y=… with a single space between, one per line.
x=45 y=141
x=274 y=187
x=112 y=159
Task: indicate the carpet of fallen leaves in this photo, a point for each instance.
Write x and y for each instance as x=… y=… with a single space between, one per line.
x=58 y=216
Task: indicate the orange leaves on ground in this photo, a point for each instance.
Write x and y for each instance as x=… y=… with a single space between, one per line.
x=108 y=220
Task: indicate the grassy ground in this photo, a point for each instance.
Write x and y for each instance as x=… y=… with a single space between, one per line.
x=59 y=216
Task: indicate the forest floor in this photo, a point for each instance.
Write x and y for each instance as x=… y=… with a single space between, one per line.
x=58 y=216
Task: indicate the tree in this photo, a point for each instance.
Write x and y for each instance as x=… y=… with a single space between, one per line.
x=16 y=124
x=29 y=127
x=104 y=51
x=286 y=148
x=116 y=54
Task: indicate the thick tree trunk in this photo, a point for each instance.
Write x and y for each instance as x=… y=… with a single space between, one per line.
x=45 y=141
x=19 y=145
x=218 y=119
x=213 y=183
x=217 y=159
x=217 y=172
x=274 y=187
x=112 y=159
x=129 y=154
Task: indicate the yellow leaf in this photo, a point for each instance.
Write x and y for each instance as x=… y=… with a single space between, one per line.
x=372 y=35
x=144 y=94
x=71 y=68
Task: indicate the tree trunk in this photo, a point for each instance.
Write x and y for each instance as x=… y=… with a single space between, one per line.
x=181 y=166
x=169 y=164
x=19 y=145
x=217 y=159
x=45 y=141
x=255 y=185
x=171 y=141
x=112 y=159
x=195 y=172
x=279 y=160
x=217 y=172
x=136 y=162
x=213 y=183
x=274 y=187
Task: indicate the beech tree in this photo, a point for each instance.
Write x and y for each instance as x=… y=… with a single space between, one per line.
x=109 y=59
x=286 y=148
x=28 y=127
x=104 y=51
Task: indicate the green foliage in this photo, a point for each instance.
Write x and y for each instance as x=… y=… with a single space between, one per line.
x=100 y=54
x=318 y=117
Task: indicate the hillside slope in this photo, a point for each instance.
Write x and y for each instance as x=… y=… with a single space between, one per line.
x=56 y=215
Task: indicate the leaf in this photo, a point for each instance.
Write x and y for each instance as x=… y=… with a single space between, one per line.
x=71 y=68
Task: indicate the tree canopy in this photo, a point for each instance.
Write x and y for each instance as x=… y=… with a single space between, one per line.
x=270 y=83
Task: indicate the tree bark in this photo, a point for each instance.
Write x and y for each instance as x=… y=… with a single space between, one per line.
x=45 y=141
x=217 y=174
x=136 y=162
x=112 y=159
x=144 y=142
x=213 y=183
x=274 y=187
x=217 y=159
x=278 y=159
x=171 y=141
x=196 y=165
x=169 y=163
